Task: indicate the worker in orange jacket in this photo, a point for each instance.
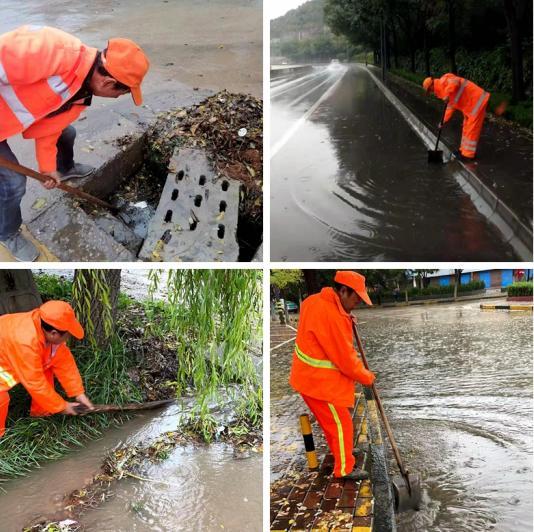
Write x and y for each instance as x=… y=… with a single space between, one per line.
x=326 y=366
x=33 y=351
x=47 y=79
x=467 y=97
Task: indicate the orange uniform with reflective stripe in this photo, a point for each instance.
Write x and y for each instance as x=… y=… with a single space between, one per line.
x=325 y=364
x=26 y=358
x=465 y=96
x=40 y=69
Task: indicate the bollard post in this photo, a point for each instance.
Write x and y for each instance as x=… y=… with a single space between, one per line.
x=305 y=428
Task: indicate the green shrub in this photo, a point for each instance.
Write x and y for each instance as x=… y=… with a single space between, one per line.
x=53 y=287
x=523 y=288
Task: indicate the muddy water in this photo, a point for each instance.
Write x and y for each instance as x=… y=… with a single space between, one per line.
x=457 y=385
x=353 y=181
x=206 y=487
x=213 y=44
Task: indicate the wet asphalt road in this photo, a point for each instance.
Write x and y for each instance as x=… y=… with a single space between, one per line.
x=350 y=180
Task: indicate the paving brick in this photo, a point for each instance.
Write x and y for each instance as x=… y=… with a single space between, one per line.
x=333 y=491
x=364 y=507
x=196 y=219
x=313 y=499
x=347 y=499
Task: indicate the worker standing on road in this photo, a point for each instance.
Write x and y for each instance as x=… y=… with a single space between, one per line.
x=47 y=78
x=33 y=351
x=463 y=95
x=326 y=366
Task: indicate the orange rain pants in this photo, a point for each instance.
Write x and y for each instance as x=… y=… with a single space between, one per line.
x=471 y=130
x=336 y=423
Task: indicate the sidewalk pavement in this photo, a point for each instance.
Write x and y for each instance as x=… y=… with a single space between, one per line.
x=311 y=500
x=504 y=156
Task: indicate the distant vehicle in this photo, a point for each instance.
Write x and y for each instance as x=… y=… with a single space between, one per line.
x=334 y=64
x=292 y=307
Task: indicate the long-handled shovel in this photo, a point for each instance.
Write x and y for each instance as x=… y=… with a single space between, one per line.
x=435 y=155
x=15 y=167
x=83 y=410
x=407 y=487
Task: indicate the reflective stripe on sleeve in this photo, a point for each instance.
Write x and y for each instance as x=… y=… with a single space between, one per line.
x=479 y=103
x=59 y=87
x=340 y=438
x=12 y=100
x=303 y=357
x=7 y=377
x=460 y=91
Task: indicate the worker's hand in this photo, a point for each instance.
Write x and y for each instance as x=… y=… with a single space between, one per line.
x=84 y=400
x=440 y=125
x=371 y=379
x=70 y=409
x=54 y=181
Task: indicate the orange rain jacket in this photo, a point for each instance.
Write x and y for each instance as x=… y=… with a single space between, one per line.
x=40 y=69
x=26 y=358
x=463 y=95
x=325 y=363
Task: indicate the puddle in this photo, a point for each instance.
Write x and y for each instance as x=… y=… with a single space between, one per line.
x=206 y=486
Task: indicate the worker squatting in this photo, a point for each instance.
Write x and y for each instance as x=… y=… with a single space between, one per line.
x=47 y=79
x=326 y=366
x=33 y=352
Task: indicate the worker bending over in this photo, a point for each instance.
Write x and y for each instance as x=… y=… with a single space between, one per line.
x=326 y=366
x=465 y=96
x=47 y=78
x=33 y=351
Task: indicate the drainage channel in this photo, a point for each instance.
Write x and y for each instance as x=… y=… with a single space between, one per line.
x=179 y=211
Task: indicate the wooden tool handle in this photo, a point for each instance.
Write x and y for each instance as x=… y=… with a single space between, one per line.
x=380 y=407
x=83 y=410
x=62 y=186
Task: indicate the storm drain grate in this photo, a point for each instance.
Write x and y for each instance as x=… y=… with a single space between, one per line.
x=196 y=219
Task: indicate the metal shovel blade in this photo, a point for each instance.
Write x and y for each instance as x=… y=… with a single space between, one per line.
x=407 y=498
x=435 y=156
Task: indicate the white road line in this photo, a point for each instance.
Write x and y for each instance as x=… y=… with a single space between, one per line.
x=283 y=343
x=294 y=128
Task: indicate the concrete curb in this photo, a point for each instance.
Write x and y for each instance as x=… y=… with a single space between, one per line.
x=487 y=306
x=384 y=514
x=515 y=233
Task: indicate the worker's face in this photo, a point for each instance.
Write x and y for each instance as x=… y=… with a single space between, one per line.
x=55 y=338
x=349 y=299
x=106 y=86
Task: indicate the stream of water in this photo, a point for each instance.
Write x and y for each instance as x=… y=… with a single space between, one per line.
x=198 y=487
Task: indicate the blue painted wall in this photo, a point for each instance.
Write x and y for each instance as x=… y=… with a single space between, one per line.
x=507 y=277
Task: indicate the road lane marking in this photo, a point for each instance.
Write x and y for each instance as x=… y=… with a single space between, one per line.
x=294 y=128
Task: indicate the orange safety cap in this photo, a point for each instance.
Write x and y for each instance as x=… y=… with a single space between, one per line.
x=427 y=83
x=354 y=280
x=127 y=63
x=61 y=315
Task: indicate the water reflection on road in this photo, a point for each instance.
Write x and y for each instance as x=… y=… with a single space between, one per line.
x=457 y=384
x=350 y=180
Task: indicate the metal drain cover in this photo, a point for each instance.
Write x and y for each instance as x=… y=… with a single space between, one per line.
x=196 y=219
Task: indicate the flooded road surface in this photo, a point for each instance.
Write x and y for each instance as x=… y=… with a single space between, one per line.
x=350 y=180
x=212 y=44
x=457 y=386
x=206 y=487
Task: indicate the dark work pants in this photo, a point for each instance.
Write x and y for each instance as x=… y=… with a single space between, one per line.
x=13 y=185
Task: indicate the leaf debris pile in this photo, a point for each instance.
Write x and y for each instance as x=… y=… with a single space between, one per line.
x=230 y=127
